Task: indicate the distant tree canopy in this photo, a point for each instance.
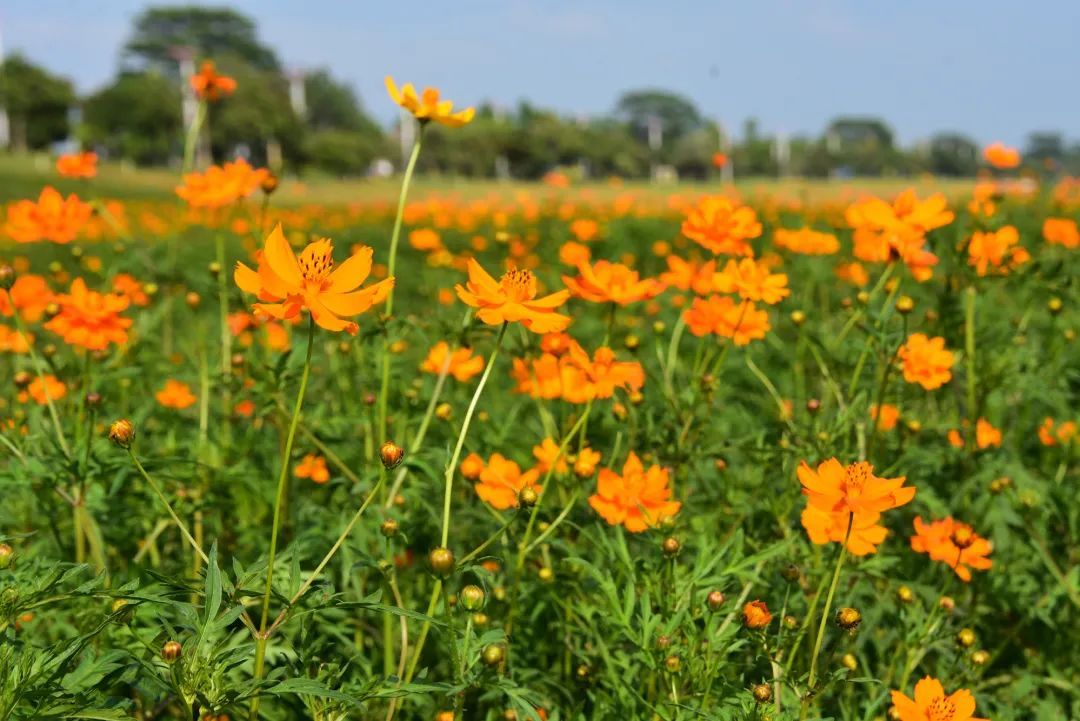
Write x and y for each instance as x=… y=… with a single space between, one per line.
x=210 y=32
x=137 y=117
x=37 y=103
x=675 y=114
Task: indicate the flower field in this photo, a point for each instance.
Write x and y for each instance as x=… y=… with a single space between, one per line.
x=547 y=453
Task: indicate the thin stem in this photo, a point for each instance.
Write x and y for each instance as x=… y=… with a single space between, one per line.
x=828 y=607
x=969 y=359
x=391 y=265
x=191 y=140
x=262 y=637
x=40 y=370
x=448 y=474
x=168 y=507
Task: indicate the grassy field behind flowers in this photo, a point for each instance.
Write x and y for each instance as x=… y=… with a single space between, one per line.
x=545 y=453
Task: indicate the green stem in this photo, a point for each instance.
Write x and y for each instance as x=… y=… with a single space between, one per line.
x=451 y=467
x=192 y=138
x=168 y=507
x=825 y=612
x=40 y=370
x=263 y=637
x=226 y=340
x=969 y=359
x=391 y=265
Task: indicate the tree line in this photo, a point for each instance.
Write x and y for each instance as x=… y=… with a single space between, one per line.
x=138 y=117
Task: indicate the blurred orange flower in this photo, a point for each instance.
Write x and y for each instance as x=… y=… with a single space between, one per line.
x=77 y=165
x=548 y=455
x=700 y=278
x=512 y=299
x=12 y=341
x=572 y=253
x=210 y=85
x=51 y=218
x=752 y=281
x=925 y=361
x=1001 y=156
x=806 y=241
x=996 y=251
x=719 y=314
x=717 y=224
x=43 y=389
x=953 y=543
x=312 y=466
x=89 y=319
x=755 y=614
x=886 y=416
x=853 y=273
x=29 y=295
x=1061 y=231
x=127 y=286
x=501 y=481
x=461 y=364
x=221 y=185
x=427 y=106
x=585 y=229
x=176 y=394
x=638 y=499
x=884 y=231
x=1051 y=433
x=607 y=282
x=286 y=284
x=472 y=466
x=586 y=462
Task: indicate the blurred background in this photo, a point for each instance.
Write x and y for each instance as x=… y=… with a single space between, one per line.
x=640 y=90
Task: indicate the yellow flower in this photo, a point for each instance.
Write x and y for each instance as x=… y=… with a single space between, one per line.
x=427 y=105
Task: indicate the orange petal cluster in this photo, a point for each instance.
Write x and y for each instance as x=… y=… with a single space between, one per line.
x=210 y=85
x=566 y=371
x=931 y=703
x=512 y=299
x=996 y=251
x=427 y=106
x=722 y=226
x=462 y=364
x=52 y=217
x=501 y=480
x=221 y=185
x=89 y=319
x=925 y=361
x=953 y=543
x=607 y=282
x=637 y=499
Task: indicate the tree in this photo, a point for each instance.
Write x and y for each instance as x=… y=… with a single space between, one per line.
x=953 y=154
x=137 y=117
x=37 y=103
x=332 y=105
x=676 y=115
x=211 y=32
x=259 y=112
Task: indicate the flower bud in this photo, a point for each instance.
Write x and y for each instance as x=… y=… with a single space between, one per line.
x=443 y=411
x=762 y=693
x=493 y=654
x=905 y=594
x=23 y=379
x=790 y=622
x=904 y=305
x=545 y=574
x=848 y=619
x=965 y=638
x=798 y=317
x=947 y=604
x=7 y=556
x=391 y=455
x=672 y=664
x=472 y=598
x=980 y=658
x=1054 y=305
x=122 y=432
x=671 y=546
x=756 y=614
x=93 y=400
x=631 y=342
x=480 y=619
x=269 y=183
x=441 y=561
x=192 y=299
x=171 y=651
x=7 y=276
x=214 y=268
x=527 y=497
x=715 y=600
x=849 y=662
x=389 y=528
x=813 y=406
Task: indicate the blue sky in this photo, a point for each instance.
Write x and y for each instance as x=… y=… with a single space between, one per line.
x=994 y=69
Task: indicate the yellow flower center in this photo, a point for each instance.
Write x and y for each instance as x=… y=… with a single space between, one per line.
x=856 y=475
x=941 y=709
x=317 y=260
x=519 y=284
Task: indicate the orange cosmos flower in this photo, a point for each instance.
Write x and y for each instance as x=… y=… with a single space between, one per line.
x=425 y=239
x=51 y=218
x=806 y=241
x=512 y=299
x=996 y=251
x=599 y=376
x=461 y=364
x=1001 y=156
x=43 y=389
x=741 y=322
x=838 y=496
x=29 y=295
x=1050 y=433
x=286 y=284
x=700 y=278
x=986 y=436
x=585 y=229
x=953 y=543
x=176 y=394
x=755 y=614
x=886 y=416
x=719 y=160
x=77 y=165
x=638 y=499
x=752 y=281
x=607 y=282
x=932 y=704
x=853 y=273
x=12 y=341
x=925 y=361
x=717 y=224
x=501 y=481
x=884 y=231
x=472 y=466
x=312 y=466
x=127 y=286
x=548 y=455
x=1061 y=231
x=210 y=85
x=586 y=462
x=572 y=253
x=427 y=106
x=89 y=319
x=221 y=185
